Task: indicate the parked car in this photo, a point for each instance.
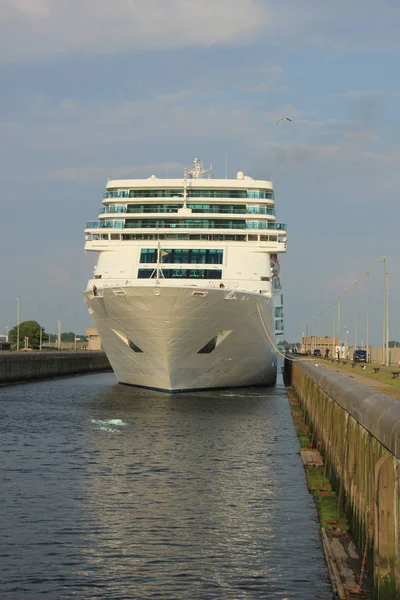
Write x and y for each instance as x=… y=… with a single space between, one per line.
x=360 y=356
x=317 y=352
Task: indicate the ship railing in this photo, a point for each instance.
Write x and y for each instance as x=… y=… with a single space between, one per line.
x=157 y=226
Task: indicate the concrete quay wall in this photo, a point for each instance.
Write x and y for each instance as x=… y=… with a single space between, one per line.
x=357 y=430
x=18 y=367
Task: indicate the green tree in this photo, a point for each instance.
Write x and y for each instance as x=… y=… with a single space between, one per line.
x=29 y=329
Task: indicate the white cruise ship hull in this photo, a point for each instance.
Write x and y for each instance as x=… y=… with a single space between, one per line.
x=186 y=338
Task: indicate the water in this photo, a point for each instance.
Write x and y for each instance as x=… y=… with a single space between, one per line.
x=111 y=492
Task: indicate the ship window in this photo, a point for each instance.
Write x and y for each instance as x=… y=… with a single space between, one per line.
x=191 y=224
x=182 y=236
x=115 y=236
x=192 y=193
x=180 y=273
x=252 y=238
x=182 y=256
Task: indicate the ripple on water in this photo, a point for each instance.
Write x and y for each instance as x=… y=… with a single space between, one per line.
x=112 y=492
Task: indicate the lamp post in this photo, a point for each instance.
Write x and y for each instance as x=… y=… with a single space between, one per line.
x=346 y=323
x=385 y=320
x=338 y=323
x=367 y=324
x=355 y=312
x=41 y=328
x=18 y=314
x=313 y=334
x=333 y=329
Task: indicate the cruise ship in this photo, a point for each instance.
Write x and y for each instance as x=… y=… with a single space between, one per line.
x=186 y=292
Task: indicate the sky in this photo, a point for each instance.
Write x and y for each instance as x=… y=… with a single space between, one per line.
x=93 y=89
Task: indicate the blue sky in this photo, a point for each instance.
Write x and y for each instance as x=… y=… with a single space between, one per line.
x=92 y=89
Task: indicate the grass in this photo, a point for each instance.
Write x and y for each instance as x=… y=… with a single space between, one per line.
x=384 y=376
x=326 y=500
x=325 y=497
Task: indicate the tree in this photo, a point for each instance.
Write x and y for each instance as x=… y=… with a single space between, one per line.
x=29 y=329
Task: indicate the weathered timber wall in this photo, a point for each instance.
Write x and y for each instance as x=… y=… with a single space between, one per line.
x=17 y=367
x=358 y=431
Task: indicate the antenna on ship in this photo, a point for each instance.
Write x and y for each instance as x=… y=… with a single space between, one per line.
x=184 y=187
x=197 y=171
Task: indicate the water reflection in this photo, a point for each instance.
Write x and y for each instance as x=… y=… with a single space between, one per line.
x=198 y=495
x=116 y=493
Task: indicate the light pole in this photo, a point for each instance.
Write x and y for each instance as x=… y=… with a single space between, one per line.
x=367 y=324
x=346 y=323
x=333 y=329
x=76 y=328
x=313 y=334
x=338 y=324
x=41 y=328
x=385 y=320
x=355 y=312
x=18 y=314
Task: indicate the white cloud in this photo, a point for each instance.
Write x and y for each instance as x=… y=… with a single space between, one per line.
x=33 y=29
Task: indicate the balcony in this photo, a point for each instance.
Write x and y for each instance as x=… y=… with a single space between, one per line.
x=262 y=210
x=191 y=193
x=185 y=224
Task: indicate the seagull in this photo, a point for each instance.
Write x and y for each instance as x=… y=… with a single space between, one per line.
x=283 y=119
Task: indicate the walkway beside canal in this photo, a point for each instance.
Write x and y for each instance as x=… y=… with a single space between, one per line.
x=382 y=381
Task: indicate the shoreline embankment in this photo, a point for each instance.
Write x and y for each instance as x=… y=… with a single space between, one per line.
x=357 y=431
x=23 y=367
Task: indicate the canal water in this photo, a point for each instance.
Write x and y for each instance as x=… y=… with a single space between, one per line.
x=112 y=492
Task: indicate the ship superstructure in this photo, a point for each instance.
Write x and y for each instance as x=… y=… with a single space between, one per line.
x=186 y=291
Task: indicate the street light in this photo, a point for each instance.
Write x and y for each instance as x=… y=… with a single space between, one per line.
x=385 y=319
x=346 y=326
x=333 y=328
x=367 y=328
x=18 y=313
x=41 y=328
x=355 y=313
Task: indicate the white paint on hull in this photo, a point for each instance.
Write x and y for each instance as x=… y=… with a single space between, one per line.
x=171 y=324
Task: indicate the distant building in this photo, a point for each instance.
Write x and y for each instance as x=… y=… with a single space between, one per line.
x=94 y=342
x=309 y=344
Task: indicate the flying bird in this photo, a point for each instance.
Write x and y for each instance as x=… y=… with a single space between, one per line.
x=283 y=119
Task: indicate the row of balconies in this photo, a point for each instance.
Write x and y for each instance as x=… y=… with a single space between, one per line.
x=181 y=225
x=262 y=210
x=190 y=193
